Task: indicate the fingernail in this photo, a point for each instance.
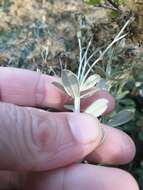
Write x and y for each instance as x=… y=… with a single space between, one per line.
x=84 y=128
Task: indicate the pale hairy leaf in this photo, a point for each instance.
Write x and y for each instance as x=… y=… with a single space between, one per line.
x=102 y=85
x=70 y=83
x=98 y=107
x=121 y=118
x=89 y=92
x=90 y=82
x=69 y=107
x=58 y=85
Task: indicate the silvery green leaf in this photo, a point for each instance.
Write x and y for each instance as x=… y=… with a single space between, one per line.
x=121 y=118
x=70 y=83
x=116 y=75
x=121 y=95
x=98 y=107
x=108 y=70
x=88 y=93
x=79 y=34
x=102 y=85
x=90 y=82
x=58 y=85
x=141 y=92
x=69 y=107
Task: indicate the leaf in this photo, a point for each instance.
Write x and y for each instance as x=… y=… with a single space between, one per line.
x=121 y=118
x=98 y=107
x=90 y=82
x=88 y=93
x=121 y=95
x=102 y=85
x=94 y=2
x=70 y=83
x=108 y=70
x=58 y=85
x=69 y=107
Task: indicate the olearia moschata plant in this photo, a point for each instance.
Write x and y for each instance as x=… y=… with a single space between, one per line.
x=84 y=84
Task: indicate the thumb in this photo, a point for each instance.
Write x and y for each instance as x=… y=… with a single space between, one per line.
x=35 y=140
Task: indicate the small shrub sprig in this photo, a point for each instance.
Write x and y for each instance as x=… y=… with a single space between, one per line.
x=84 y=84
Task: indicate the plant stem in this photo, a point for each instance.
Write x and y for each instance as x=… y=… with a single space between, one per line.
x=113 y=4
x=117 y=38
x=80 y=57
x=84 y=60
x=77 y=105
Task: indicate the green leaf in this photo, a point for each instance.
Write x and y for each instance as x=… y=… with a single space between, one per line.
x=108 y=70
x=94 y=2
x=90 y=82
x=102 y=85
x=70 y=83
x=98 y=107
x=58 y=85
x=121 y=118
x=69 y=107
x=89 y=92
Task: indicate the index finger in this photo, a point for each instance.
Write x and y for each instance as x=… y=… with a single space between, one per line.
x=29 y=88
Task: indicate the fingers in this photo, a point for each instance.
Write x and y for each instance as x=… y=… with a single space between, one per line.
x=34 y=140
x=117 y=148
x=10 y=180
x=99 y=94
x=74 y=177
x=28 y=88
x=82 y=177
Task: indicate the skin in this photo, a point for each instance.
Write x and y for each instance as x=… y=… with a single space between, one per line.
x=40 y=150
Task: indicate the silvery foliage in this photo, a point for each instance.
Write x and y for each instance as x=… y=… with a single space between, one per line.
x=84 y=84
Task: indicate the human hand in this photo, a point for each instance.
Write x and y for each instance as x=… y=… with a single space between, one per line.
x=42 y=148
